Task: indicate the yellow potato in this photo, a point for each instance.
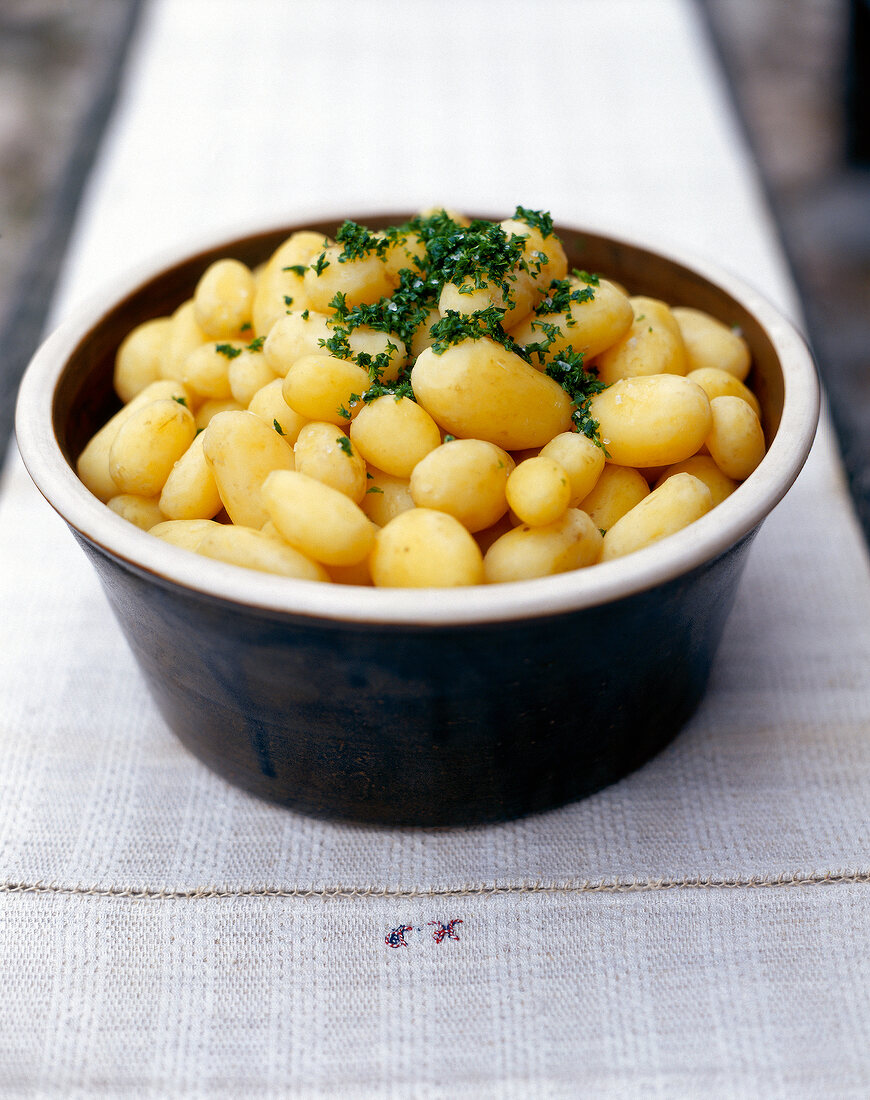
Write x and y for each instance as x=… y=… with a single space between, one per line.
x=252 y=549
x=324 y=452
x=709 y=343
x=678 y=502
x=268 y=403
x=538 y=491
x=616 y=492
x=182 y=337
x=279 y=287
x=580 y=458
x=148 y=445
x=386 y=496
x=242 y=451
x=422 y=548
x=93 y=463
x=211 y=407
x=186 y=533
x=720 y=383
x=190 y=490
x=206 y=371
x=652 y=345
x=249 y=372
x=320 y=521
x=736 y=440
x=362 y=280
x=359 y=573
x=144 y=512
x=465 y=478
x=480 y=390
x=394 y=435
x=137 y=363
x=705 y=469
x=589 y=326
x=571 y=542
x=652 y=420
x=223 y=299
x=404 y=252
x=321 y=387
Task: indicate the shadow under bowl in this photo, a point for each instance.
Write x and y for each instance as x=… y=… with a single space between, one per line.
x=419 y=707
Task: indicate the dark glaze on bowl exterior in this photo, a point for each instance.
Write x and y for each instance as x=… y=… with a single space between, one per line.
x=421 y=707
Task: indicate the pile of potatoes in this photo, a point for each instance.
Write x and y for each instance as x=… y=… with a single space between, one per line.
x=243 y=439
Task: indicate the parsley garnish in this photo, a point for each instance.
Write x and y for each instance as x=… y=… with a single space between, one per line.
x=288 y=301
x=320 y=264
x=257 y=343
x=358 y=242
x=535 y=219
x=581 y=386
x=181 y=401
x=585 y=277
x=297 y=269
x=278 y=428
x=374 y=489
x=304 y=314
x=228 y=350
x=449 y=438
x=246 y=327
x=345 y=445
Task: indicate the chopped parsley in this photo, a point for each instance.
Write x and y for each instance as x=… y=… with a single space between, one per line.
x=297 y=269
x=345 y=445
x=228 y=350
x=257 y=343
x=246 y=327
x=320 y=264
x=535 y=219
x=374 y=489
x=581 y=386
x=358 y=242
x=181 y=401
x=278 y=428
x=585 y=277
x=288 y=301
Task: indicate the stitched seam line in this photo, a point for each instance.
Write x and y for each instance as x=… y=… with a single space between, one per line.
x=588 y=886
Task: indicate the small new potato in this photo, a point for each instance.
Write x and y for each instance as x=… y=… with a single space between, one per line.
x=705 y=469
x=242 y=451
x=190 y=490
x=320 y=521
x=252 y=549
x=142 y=512
x=599 y=316
x=386 y=496
x=580 y=458
x=652 y=420
x=321 y=387
x=676 y=503
x=720 y=383
x=394 y=435
x=224 y=298
x=616 y=492
x=652 y=345
x=324 y=452
x=137 y=363
x=422 y=548
x=736 y=439
x=709 y=343
x=148 y=445
x=465 y=478
x=480 y=390
x=268 y=403
x=538 y=491
x=523 y=553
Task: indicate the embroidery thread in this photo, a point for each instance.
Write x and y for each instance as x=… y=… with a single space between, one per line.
x=396 y=936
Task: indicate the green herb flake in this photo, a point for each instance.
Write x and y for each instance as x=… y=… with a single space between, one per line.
x=304 y=314
x=278 y=428
x=345 y=445
x=181 y=401
x=535 y=219
x=288 y=301
x=257 y=344
x=374 y=489
x=581 y=386
x=228 y=350
x=297 y=269
x=246 y=327
x=449 y=438
x=320 y=264
x=585 y=277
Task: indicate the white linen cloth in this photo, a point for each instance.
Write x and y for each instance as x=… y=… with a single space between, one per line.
x=701 y=927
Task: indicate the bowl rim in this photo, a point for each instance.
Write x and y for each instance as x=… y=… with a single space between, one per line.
x=680 y=553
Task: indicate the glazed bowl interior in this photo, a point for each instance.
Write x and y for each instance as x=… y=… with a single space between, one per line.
x=67 y=394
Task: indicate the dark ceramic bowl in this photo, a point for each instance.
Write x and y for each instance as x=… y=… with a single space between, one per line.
x=424 y=707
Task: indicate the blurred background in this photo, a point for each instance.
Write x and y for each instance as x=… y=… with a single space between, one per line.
x=797 y=70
